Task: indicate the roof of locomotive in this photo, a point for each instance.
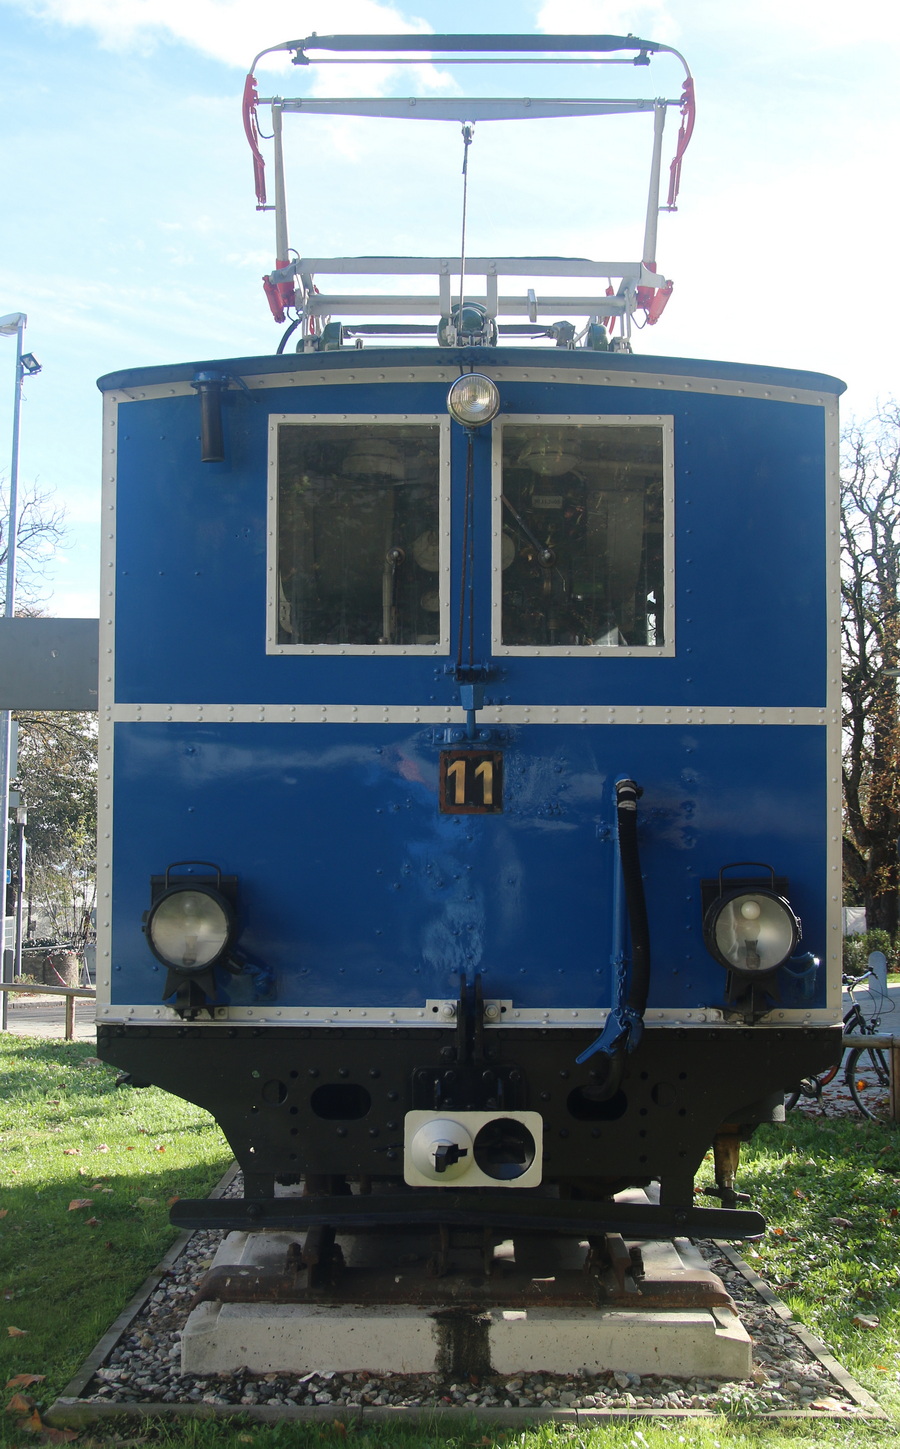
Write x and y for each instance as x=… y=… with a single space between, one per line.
x=559 y=359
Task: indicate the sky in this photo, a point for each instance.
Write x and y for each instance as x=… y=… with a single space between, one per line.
x=129 y=234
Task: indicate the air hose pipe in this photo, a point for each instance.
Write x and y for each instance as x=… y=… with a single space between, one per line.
x=624 y=1026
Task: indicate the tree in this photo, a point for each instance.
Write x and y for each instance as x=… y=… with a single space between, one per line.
x=870 y=547
x=40 y=533
x=57 y=776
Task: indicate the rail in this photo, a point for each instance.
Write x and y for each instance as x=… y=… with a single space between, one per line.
x=69 y=992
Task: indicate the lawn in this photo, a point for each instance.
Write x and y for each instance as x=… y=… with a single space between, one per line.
x=87 y=1172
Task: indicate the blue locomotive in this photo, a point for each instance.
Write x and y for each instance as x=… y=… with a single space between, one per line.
x=471 y=838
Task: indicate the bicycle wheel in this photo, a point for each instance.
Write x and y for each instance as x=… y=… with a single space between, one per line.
x=869 y=1078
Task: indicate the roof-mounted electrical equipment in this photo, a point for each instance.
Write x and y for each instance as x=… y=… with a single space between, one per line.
x=526 y=308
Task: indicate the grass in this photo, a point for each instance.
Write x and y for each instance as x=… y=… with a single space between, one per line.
x=830 y=1189
x=67 y=1134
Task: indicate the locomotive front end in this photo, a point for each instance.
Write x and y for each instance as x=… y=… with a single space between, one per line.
x=471 y=724
x=471 y=812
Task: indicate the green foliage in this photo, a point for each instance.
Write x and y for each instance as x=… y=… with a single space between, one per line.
x=57 y=776
x=857 y=949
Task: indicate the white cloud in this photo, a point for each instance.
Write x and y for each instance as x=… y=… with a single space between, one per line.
x=228 y=30
x=73 y=603
x=650 y=19
x=815 y=24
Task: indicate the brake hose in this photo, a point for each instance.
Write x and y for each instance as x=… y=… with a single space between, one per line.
x=624 y=1026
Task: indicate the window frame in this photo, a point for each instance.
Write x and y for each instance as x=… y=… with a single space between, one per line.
x=277 y=421
x=666 y=423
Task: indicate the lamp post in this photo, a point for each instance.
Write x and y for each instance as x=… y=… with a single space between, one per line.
x=13 y=324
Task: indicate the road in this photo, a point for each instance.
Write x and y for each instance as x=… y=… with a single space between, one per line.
x=46 y=1016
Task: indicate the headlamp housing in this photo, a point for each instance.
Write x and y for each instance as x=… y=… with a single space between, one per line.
x=473 y=400
x=191 y=928
x=749 y=926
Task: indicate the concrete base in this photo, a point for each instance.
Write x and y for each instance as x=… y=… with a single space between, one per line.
x=304 y=1338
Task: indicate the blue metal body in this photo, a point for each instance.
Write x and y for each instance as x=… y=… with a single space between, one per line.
x=354 y=889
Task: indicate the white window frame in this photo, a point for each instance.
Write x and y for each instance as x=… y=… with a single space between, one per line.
x=439 y=420
x=666 y=423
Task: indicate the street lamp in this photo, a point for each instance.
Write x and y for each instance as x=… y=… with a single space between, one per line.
x=13 y=324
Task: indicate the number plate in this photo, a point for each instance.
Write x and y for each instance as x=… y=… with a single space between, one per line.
x=471 y=782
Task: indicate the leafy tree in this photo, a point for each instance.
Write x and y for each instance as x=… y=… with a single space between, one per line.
x=870 y=539
x=57 y=776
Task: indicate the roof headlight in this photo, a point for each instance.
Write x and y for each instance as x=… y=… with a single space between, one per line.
x=473 y=400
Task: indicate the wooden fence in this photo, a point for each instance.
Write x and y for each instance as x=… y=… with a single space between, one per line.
x=69 y=992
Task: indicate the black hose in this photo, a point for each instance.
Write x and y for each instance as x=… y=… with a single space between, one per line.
x=627 y=795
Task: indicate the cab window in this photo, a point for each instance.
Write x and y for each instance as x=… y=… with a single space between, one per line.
x=582 y=543
x=358 y=530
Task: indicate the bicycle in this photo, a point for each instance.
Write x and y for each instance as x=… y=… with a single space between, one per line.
x=866 y=1070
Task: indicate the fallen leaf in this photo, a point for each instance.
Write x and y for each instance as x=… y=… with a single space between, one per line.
x=92 y=1223
x=841 y=1222
x=862 y=1320
x=171 y=1200
x=23 y=1380
x=58 y=1436
x=16 y=1332
x=798 y=1193
x=160 y=1147
x=93 y=1062
x=828 y=1402
x=129 y=1149
x=18 y=1404
x=32 y=1422
x=3 y=1212
x=101 y=1147
x=80 y=1202
x=71 y=1152
x=146 y=1202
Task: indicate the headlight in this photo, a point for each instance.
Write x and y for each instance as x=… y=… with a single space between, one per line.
x=473 y=400
x=752 y=931
x=189 y=927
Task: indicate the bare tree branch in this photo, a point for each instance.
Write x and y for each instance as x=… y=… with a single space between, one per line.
x=40 y=534
x=870 y=608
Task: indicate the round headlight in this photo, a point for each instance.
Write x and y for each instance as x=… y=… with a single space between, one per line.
x=751 y=931
x=189 y=928
x=473 y=400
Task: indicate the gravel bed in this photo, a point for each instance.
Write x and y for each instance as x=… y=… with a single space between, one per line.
x=144 y=1367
